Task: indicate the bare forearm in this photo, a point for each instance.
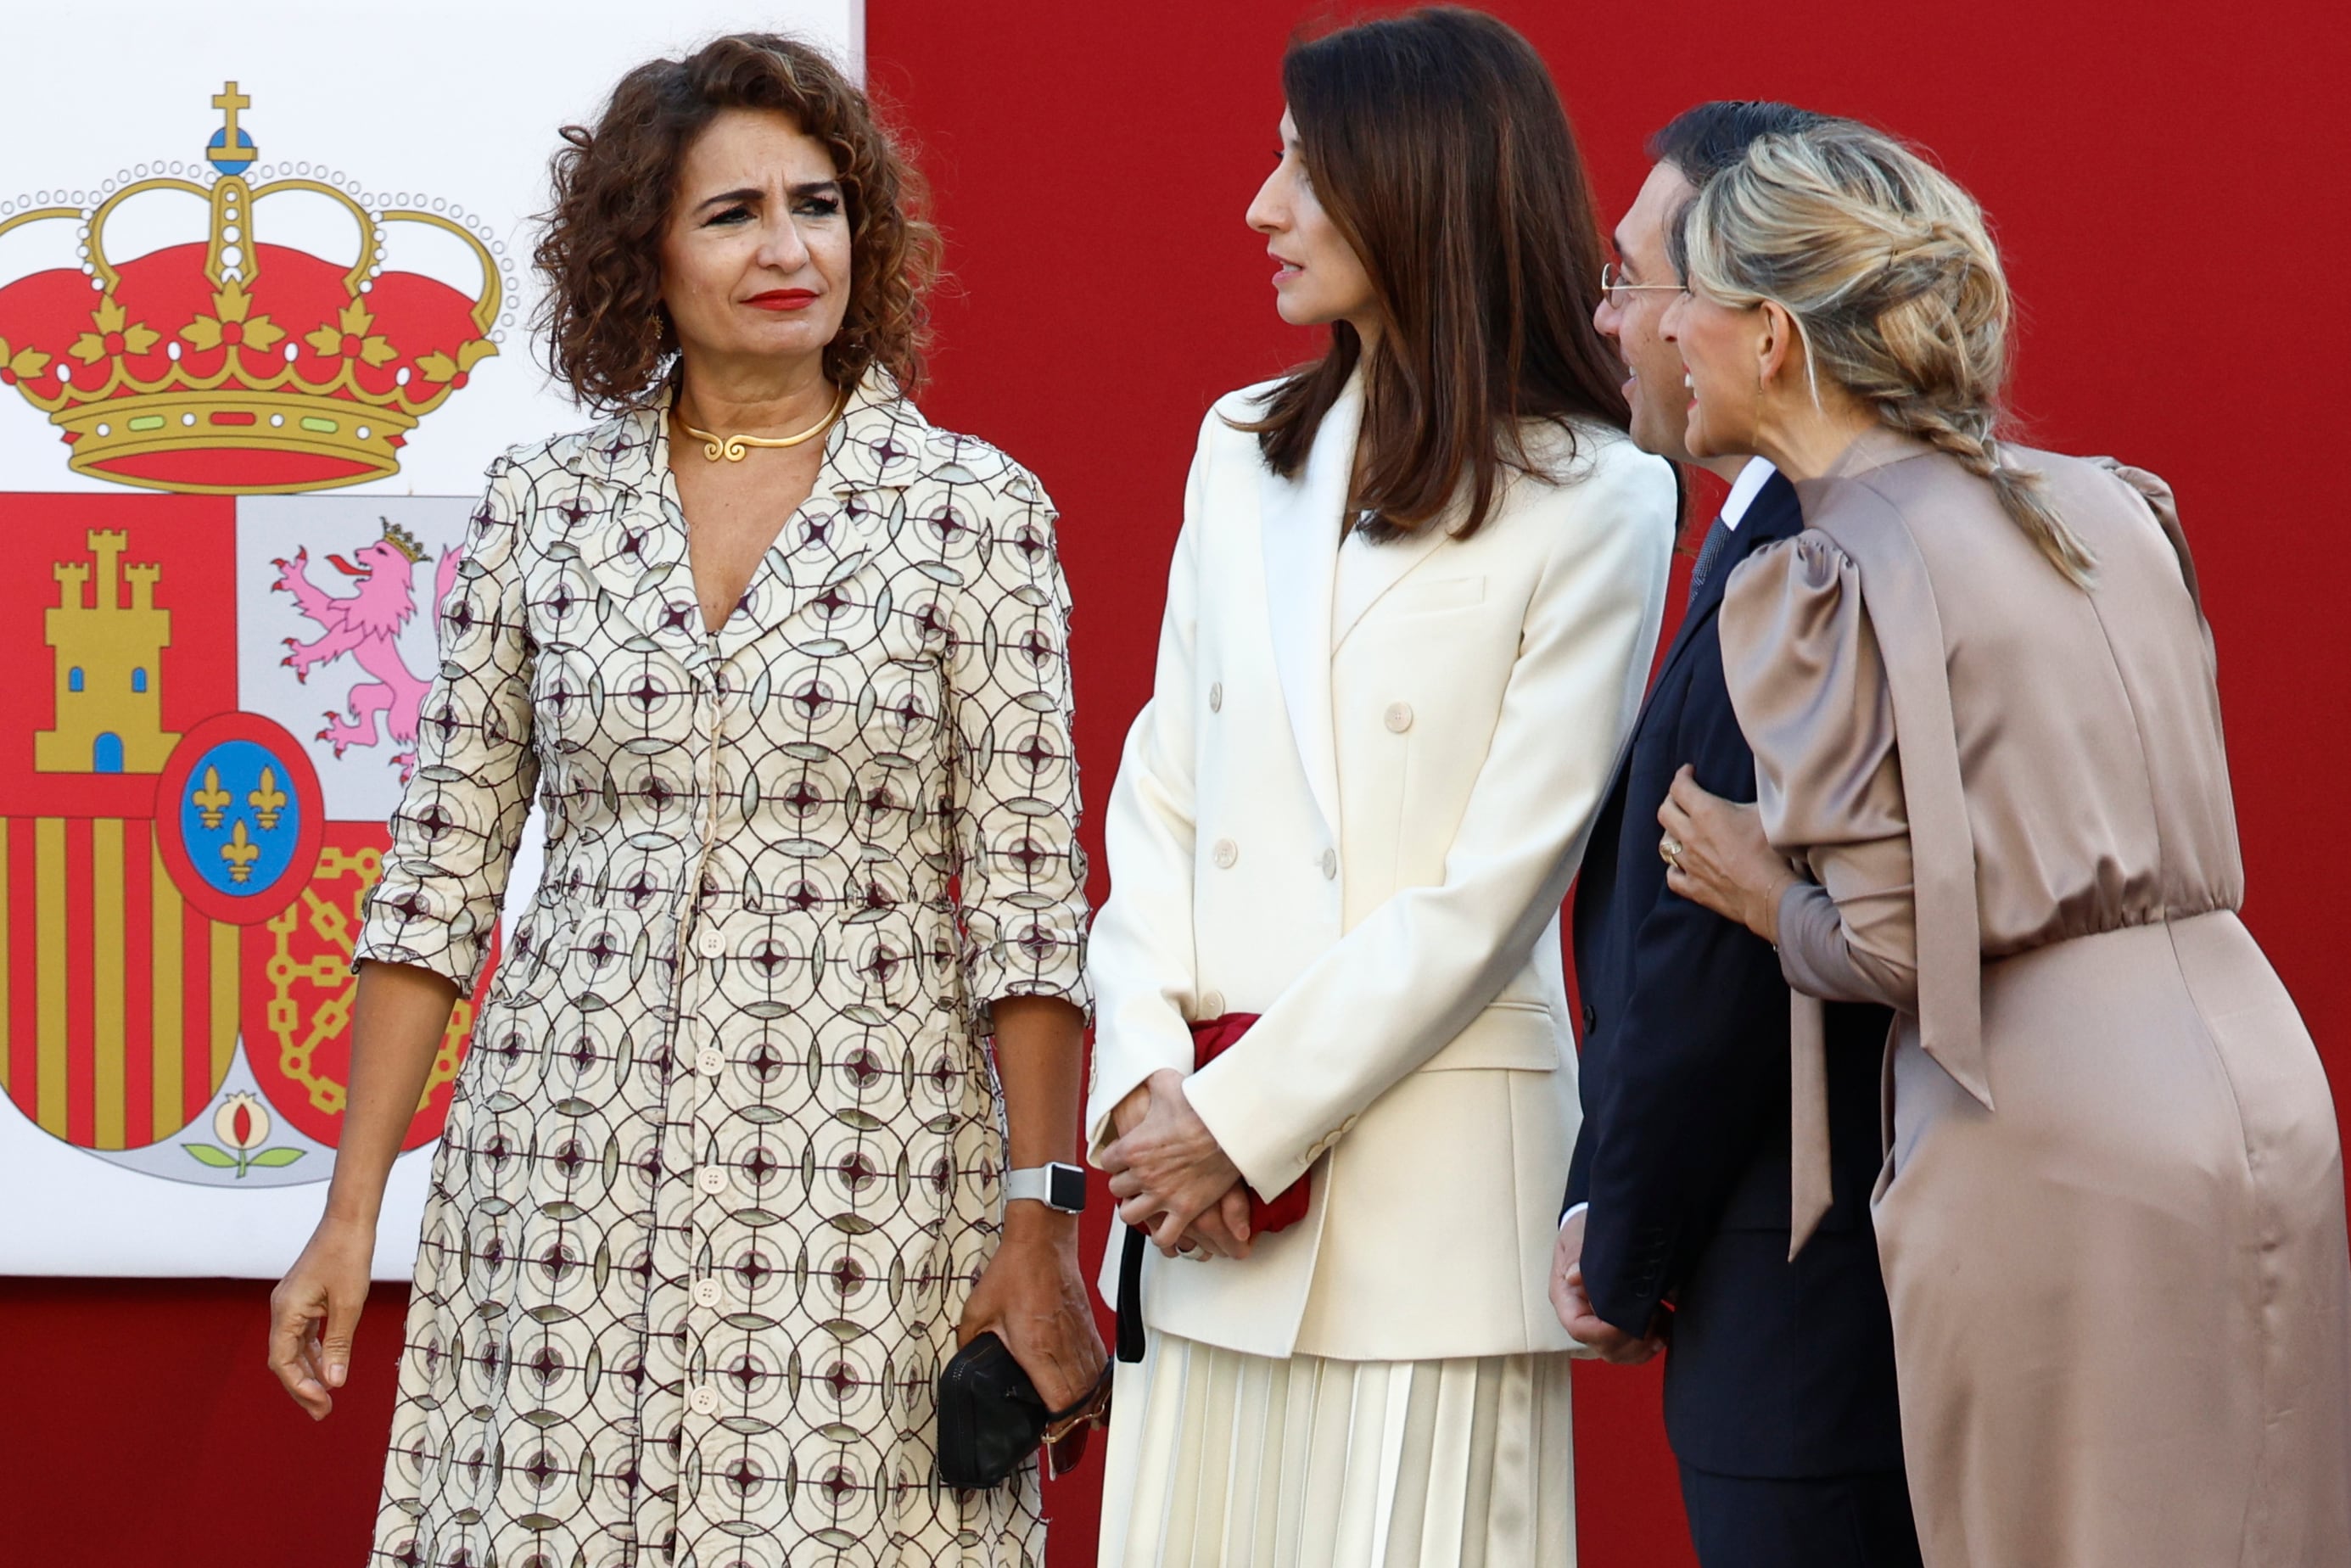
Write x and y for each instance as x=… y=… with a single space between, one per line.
x=1039 y=1051
x=397 y=1022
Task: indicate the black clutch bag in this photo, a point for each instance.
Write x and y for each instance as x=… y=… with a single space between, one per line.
x=992 y=1418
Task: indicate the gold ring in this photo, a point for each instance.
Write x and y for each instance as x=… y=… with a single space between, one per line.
x=1669 y=850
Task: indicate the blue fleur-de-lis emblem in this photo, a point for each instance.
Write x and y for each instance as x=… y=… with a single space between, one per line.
x=238 y=820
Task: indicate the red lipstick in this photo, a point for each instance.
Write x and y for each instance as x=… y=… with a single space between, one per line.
x=783 y=299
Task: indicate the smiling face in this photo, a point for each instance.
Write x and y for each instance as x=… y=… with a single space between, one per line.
x=1318 y=277
x=756 y=257
x=1630 y=317
x=1731 y=360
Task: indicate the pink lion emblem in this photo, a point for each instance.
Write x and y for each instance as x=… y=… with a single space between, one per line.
x=365 y=624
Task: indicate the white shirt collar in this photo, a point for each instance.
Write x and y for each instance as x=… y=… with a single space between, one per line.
x=1744 y=490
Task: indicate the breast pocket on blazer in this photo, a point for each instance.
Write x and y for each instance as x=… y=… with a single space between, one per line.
x=1427 y=598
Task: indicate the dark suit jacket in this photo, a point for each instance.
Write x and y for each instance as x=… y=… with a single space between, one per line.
x=1775 y=1369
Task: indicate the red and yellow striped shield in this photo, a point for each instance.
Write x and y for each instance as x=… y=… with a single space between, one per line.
x=121 y=1000
x=118 y=635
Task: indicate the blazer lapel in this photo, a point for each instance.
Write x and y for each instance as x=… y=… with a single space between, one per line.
x=1380 y=568
x=1298 y=530
x=1775 y=515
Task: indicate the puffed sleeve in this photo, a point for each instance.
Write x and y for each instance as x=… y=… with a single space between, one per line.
x=1013 y=791
x=1810 y=687
x=462 y=815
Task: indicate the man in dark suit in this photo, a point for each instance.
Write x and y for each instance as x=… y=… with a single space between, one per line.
x=1780 y=1395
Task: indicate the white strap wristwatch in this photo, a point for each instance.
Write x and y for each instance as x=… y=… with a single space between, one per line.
x=1057 y=1187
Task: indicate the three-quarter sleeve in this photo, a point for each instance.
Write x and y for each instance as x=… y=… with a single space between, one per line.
x=1013 y=791
x=461 y=818
x=1810 y=687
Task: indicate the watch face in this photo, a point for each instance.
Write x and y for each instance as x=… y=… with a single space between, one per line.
x=1066 y=1188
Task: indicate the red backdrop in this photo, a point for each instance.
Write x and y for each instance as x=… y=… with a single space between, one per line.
x=2167 y=183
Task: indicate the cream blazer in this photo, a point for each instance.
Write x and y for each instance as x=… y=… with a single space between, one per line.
x=1363 y=834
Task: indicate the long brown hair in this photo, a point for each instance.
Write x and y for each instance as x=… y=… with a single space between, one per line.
x=607 y=336
x=1439 y=145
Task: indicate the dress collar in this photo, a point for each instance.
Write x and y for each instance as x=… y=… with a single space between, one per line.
x=879 y=443
x=1875 y=448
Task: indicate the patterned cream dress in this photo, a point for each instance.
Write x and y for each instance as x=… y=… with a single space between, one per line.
x=723 y=1163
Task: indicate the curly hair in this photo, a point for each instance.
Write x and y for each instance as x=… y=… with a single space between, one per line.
x=606 y=335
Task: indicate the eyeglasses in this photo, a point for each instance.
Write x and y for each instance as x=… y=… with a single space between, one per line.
x=1613 y=285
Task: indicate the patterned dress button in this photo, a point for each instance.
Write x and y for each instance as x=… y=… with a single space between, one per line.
x=1329 y=864
x=1398 y=717
x=708 y=1293
x=703 y=1401
x=713 y=943
x=1226 y=853
x=711 y=1062
x=711 y=1179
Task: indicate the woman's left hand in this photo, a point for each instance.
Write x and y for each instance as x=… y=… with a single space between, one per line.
x=1032 y=1296
x=1170 y=1170
x=1720 y=857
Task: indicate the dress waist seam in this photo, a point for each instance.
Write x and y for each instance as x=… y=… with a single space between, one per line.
x=2158 y=921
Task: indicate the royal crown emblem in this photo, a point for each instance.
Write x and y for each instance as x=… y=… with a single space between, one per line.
x=230 y=364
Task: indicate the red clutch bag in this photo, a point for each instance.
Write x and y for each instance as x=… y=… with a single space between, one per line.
x=1210 y=1039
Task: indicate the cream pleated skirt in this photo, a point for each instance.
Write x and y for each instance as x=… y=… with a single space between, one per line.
x=1219 y=1459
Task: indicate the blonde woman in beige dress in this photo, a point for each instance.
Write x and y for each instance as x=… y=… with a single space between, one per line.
x=1980 y=694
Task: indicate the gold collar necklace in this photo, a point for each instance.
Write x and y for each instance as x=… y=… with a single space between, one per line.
x=732 y=447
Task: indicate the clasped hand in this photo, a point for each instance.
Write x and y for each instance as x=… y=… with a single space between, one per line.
x=1572 y=1302
x=1172 y=1181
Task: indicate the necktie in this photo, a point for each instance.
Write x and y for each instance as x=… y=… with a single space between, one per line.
x=1717 y=538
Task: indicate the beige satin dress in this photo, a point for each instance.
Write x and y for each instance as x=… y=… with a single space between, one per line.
x=2112 y=1218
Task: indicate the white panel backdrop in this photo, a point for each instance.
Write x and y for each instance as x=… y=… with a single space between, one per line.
x=424 y=100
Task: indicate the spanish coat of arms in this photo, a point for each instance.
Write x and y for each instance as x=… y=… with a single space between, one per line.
x=216 y=685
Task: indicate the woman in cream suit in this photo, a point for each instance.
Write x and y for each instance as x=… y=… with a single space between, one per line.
x=1980 y=694
x=1399 y=657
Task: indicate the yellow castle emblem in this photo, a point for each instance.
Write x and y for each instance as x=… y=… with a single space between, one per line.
x=109 y=657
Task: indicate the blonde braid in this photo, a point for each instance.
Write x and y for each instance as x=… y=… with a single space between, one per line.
x=1887 y=268
x=2022 y=492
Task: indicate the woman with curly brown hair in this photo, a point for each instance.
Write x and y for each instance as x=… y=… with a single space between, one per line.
x=727 y=1174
